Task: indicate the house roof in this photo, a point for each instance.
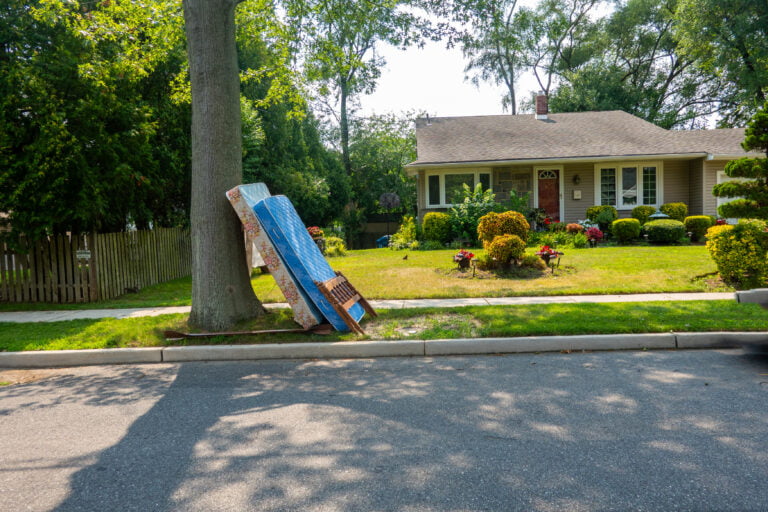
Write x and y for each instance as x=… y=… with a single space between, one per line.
x=503 y=138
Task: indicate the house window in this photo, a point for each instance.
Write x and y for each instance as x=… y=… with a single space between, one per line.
x=446 y=187
x=628 y=185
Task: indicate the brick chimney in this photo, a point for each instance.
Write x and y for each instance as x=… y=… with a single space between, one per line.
x=542 y=109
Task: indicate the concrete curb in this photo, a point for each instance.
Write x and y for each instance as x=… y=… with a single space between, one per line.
x=548 y=344
x=368 y=349
x=48 y=358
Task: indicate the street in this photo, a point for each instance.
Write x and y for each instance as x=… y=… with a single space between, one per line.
x=655 y=430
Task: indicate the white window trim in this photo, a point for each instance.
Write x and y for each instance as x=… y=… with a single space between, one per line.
x=442 y=175
x=561 y=185
x=639 y=165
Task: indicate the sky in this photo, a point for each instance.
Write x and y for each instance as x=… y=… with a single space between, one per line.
x=432 y=80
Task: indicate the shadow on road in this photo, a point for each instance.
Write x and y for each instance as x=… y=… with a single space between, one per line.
x=628 y=430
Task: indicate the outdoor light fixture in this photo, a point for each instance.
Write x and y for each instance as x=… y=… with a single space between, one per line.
x=576 y=179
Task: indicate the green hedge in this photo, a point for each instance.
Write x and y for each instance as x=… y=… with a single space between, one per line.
x=626 y=230
x=740 y=253
x=664 y=231
x=677 y=211
x=642 y=213
x=436 y=227
x=698 y=225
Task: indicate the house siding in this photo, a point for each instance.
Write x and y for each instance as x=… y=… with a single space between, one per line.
x=576 y=209
x=696 y=192
x=676 y=181
x=711 y=168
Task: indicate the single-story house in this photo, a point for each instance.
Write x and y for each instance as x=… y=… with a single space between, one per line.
x=569 y=162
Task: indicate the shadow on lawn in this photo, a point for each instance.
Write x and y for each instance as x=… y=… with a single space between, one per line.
x=626 y=430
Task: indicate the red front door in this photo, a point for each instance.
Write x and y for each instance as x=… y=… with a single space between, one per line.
x=549 y=192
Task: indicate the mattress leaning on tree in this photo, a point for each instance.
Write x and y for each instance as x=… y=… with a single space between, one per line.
x=243 y=198
x=301 y=256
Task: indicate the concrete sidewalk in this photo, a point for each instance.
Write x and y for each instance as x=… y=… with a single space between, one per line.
x=63 y=315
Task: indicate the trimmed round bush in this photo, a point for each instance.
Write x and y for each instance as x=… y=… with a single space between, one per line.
x=495 y=224
x=594 y=211
x=677 y=211
x=642 y=213
x=739 y=251
x=533 y=261
x=505 y=248
x=698 y=225
x=626 y=230
x=664 y=231
x=436 y=227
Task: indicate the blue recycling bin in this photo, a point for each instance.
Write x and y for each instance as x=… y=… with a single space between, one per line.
x=382 y=242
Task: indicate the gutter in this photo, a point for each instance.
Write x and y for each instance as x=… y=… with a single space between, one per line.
x=413 y=168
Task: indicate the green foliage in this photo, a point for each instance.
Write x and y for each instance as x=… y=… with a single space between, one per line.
x=664 y=231
x=740 y=253
x=405 y=238
x=594 y=211
x=495 y=224
x=626 y=230
x=728 y=38
x=466 y=214
x=533 y=261
x=753 y=191
x=677 y=211
x=579 y=241
x=516 y=203
x=698 y=225
x=642 y=213
x=431 y=245
x=505 y=248
x=334 y=246
x=437 y=227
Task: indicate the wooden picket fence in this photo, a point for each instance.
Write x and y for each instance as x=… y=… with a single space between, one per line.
x=88 y=268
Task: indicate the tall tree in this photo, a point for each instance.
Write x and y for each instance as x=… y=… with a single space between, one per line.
x=340 y=38
x=221 y=290
x=730 y=39
x=752 y=189
x=637 y=66
x=494 y=45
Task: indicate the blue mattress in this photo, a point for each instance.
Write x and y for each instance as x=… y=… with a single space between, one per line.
x=301 y=255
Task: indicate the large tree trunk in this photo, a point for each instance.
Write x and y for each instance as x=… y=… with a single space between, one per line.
x=344 y=127
x=221 y=287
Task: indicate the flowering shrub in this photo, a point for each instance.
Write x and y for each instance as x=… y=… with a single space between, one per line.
x=315 y=232
x=463 y=255
x=740 y=253
x=721 y=222
x=594 y=234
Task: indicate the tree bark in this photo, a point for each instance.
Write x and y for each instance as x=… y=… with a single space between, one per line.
x=221 y=289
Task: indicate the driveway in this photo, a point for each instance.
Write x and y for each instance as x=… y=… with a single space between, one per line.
x=678 y=430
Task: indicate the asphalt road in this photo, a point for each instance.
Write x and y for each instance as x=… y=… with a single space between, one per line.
x=685 y=430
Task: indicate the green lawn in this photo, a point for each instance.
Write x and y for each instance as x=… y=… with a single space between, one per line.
x=431 y=323
x=384 y=274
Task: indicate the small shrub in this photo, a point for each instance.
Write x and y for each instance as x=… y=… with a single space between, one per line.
x=594 y=234
x=626 y=230
x=533 y=261
x=473 y=204
x=505 y=248
x=437 y=227
x=739 y=251
x=664 y=231
x=594 y=211
x=431 y=245
x=698 y=225
x=557 y=226
x=642 y=213
x=677 y=211
x=573 y=227
x=334 y=246
x=605 y=218
x=496 y=224
x=405 y=238
x=579 y=241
